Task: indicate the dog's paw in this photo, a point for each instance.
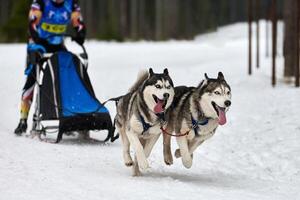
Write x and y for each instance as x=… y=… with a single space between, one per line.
x=136 y=172
x=177 y=153
x=143 y=164
x=187 y=161
x=169 y=160
x=129 y=164
x=128 y=161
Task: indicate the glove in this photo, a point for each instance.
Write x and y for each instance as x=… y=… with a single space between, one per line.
x=80 y=35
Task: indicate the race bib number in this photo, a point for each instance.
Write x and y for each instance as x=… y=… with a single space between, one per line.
x=54 y=28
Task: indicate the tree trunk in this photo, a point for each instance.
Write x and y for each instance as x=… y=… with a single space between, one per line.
x=124 y=18
x=290 y=37
x=159 y=19
x=134 y=19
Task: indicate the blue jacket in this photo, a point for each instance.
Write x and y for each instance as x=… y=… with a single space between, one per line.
x=54 y=21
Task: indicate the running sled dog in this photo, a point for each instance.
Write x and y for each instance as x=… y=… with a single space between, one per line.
x=140 y=115
x=194 y=116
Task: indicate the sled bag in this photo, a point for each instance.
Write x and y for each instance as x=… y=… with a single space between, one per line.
x=66 y=94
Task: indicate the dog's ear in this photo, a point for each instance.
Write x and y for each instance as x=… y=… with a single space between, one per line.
x=151 y=72
x=221 y=76
x=206 y=77
x=166 y=72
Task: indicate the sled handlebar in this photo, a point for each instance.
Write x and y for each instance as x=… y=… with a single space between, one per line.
x=84 y=55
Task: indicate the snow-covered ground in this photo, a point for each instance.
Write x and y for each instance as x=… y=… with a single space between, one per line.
x=256 y=155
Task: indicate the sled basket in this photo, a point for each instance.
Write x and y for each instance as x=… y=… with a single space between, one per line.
x=67 y=95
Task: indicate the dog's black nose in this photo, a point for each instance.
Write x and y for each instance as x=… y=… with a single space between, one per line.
x=227 y=103
x=166 y=95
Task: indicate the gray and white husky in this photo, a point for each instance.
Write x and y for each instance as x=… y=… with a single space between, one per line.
x=194 y=116
x=140 y=116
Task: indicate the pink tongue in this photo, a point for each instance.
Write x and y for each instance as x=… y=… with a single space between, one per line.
x=159 y=107
x=222 y=117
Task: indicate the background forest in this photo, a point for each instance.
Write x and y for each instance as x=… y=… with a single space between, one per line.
x=140 y=19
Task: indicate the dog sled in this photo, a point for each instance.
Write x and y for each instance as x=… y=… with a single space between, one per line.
x=64 y=94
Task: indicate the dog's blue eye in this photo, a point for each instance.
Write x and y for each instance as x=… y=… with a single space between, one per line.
x=158 y=86
x=217 y=93
x=168 y=87
x=228 y=93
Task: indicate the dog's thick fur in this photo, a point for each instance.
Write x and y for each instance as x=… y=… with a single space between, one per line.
x=146 y=101
x=206 y=103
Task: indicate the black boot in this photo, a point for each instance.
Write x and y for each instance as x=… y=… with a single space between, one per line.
x=22 y=127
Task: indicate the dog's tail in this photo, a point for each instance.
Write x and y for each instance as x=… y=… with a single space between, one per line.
x=142 y=76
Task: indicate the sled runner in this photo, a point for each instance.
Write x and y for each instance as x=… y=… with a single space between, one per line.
x=64 y=93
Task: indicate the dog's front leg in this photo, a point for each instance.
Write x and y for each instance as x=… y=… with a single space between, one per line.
x=197 y=141
x=187 y=159
x=192 y=147
x=149 y=144
x=138 y=148
x=126 y=147
x=135 y=168
x=167 y=149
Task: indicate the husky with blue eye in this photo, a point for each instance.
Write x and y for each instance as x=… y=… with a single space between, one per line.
x=140 y=116
x=194 y=116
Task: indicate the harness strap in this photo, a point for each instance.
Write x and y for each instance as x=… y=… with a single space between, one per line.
x=196 y=123
x=146 y=126
x=204 y=122
x=175 y=135
x=116 y=99
x=195 y=126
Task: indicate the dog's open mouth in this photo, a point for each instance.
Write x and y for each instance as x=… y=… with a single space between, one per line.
x=220 y=112
x=160 y=104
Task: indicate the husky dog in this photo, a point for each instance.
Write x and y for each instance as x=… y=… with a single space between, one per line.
x=194 y=116
x=140 y=114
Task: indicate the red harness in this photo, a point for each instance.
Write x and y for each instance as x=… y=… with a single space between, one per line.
x=175 y=135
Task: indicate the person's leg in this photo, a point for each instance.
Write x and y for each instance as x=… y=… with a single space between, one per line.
x=27 y=95
x=28 y=89
x=26 y=100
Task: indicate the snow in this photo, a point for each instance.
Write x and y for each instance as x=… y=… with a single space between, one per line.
x=254 y=156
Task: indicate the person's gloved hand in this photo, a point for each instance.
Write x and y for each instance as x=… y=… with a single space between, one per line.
x=80 y=35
